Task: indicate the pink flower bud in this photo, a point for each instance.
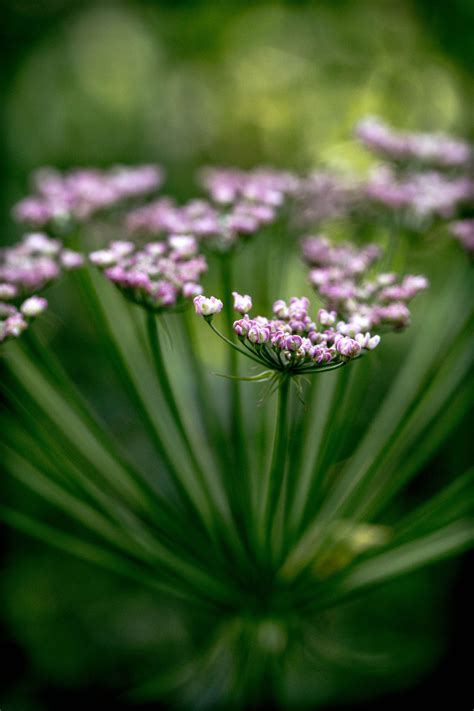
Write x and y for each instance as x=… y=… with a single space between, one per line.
x=242 y=304
x=207 y=306
x=34 y=306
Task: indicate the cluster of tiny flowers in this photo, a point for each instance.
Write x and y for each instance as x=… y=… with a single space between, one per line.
x=31 y=264
x=324 y=196
x=264 y=186
x=162 y=217
x=61 y=198
x=291 y=340
x=423 y=195
x=160 y=275
x=218 y=228
x=13 y=320
x=431 y=149
x=463 y=230
x=339 y=276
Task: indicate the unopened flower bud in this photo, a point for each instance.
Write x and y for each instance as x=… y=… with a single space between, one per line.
x=326 y=318
x=347 y=347
x=242 y=303
x=241 y=326
x=34 y=306
x=205 y=306
x=293 y=343
x=280 y=309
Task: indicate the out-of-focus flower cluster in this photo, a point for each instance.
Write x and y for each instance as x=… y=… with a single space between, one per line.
x=13 y=320
x=423 y=195
x=241 y=204
x=291 y=341
x=339 y=274
x=430 y=149
x=426 y=177
x=264 y=186
x=325 y=196
x=32 y=264
x=60 y=199
x=158 y=276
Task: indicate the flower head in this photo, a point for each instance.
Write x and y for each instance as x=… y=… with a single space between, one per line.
x=262 y=186
x=291 y=342
x=430 y=149
x=421 y=195
x=159 y=276
x=31 y=264
x=62 y=198
x=340 y=275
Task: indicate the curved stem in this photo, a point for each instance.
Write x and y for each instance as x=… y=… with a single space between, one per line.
x=229 y=343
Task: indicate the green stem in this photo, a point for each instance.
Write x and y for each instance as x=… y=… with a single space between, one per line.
x=238 y=486
x=54 y=370
x=91 y=298
x=165 y=386
x=278 y=465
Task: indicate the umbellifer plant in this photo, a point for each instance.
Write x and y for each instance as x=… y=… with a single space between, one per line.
x=260 y=528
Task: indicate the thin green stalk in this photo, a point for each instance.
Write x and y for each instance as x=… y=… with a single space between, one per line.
x=184 y=485
x=237 y=479
x=93 y=553
x=329 y=445
x=165 y=386
x=52 y=366
x=278 y=464
x=211 y=420
x=316 y=423
x=80 y=472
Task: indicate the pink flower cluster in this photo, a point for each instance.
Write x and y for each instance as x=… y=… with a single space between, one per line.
x=292 y=341
x=13 y=320
x=159 y=276
x=77 y=195
x=31 y=264
x=432 y=149
x=264 y=186
x=164 y=216
x=423 y=195
x=218 y=228
x=339 y=276
x=324 y=196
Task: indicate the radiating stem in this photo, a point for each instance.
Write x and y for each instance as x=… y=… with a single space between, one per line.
x=165 y=386
x=238 y=480
x=278 y=464
x=89 y=294
x=47 y=360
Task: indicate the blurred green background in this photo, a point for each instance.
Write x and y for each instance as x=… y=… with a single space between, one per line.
x=185 y=84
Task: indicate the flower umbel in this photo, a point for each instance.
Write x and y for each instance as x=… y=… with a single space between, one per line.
x=160 y=276
x=32 y=264
x=61 y=198
x=339 y=275
x=291 y=342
